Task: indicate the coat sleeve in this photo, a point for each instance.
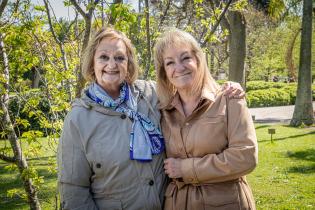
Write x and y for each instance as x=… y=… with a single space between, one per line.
x=74 y=171
x=238 y=159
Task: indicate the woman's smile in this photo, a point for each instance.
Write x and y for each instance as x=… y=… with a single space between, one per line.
x=111 y=72
x=183 y=75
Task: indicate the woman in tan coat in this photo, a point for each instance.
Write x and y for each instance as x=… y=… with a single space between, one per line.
x=210 y=138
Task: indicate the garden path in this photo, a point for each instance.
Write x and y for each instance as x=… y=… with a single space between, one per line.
x=276 y=114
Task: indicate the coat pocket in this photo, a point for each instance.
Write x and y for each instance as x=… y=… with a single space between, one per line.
x=221 y=195
x=212 y=120
x=108 y=204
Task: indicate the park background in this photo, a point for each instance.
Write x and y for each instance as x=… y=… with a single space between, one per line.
x=266 y=45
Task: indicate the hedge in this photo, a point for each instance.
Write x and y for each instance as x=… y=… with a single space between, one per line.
x=265 y=94
x=259 y=85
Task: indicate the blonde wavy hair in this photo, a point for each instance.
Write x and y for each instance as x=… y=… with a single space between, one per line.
x=88 y=56
x=173 y=37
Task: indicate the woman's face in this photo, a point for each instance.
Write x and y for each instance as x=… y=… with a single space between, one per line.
x=180 y=65
x=110 y=63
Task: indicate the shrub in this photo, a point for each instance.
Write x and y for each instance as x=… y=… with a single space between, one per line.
x=259 y=85
x=291 y=89
x=264 y=94
x=268 y=97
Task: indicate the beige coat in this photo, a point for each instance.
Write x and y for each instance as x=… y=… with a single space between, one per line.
x=217 y=145
x=95 y=171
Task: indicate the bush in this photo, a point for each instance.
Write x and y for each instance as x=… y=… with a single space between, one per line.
x=291 y=89
x=270 y=97
x=264 y=94
x=259 y=85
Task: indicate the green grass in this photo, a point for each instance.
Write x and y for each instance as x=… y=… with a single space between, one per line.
x=283 y=179
x=11 y=179
x=285 y=175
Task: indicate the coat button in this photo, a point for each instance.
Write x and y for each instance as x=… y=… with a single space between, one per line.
x=98 y=165
x=151 y=182
x=123 y=116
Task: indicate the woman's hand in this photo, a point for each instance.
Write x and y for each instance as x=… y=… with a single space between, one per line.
x=172 y=167
x=233 y=90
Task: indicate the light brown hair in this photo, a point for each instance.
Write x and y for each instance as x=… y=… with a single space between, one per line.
x=88 y=56
x=175 y=38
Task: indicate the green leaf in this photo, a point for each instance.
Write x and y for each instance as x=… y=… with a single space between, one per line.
x=40 y=8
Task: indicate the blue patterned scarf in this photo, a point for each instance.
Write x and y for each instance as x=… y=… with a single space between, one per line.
x=145 y=139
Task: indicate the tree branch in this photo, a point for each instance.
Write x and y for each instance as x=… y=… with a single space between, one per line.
x=163 y=16
x=6 y=71
x=184 y=10
x=2 y=6
x=50 y=23
x=91 y=10
x=7 y=159
x=214 y=28
x=79 y=9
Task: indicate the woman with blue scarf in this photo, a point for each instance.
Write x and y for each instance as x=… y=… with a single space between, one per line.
x=111 y=151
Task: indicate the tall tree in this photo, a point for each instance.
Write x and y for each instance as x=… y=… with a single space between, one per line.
x=237 y=46
x=289 y=56
x=88 y=17
x=18 y=157
x=234 y=22
x=303 y=110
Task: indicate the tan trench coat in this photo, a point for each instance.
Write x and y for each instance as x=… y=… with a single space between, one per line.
x=95 y=170
x=217 y=145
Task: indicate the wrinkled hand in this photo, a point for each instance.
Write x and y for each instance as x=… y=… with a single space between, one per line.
x=172 y=167
x=233 y=90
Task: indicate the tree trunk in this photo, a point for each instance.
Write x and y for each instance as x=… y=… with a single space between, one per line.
x=313 y=48
x=87 y=32
x=20 y=160
x=2 y=6
x=35 y=77
x=147 y=25
x=212 y=61
x=289 y=57
x=303 y=110
x=80 y=79
x=237 y=47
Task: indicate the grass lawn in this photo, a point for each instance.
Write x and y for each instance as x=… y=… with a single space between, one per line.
x=285 y=175
x=283 y=179
x=10 y=180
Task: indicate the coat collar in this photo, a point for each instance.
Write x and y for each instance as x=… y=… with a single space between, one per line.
x=205 y=95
